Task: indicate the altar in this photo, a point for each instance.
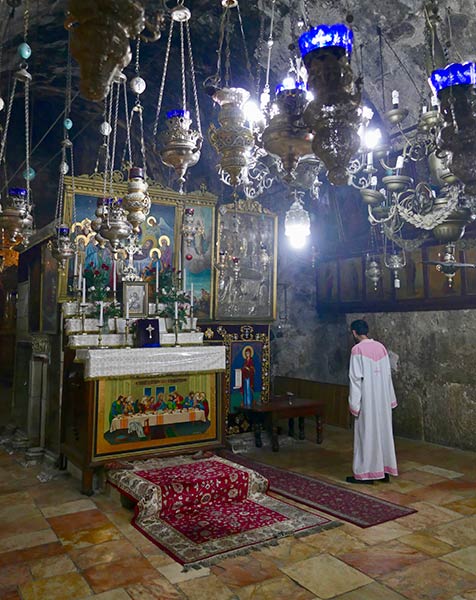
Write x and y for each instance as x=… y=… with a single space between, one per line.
x=122 y=402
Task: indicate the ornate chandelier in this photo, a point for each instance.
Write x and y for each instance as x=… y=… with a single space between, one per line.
x=333 y=115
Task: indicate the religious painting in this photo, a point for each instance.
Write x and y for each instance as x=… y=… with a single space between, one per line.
x=135 y=299
x=469 y=273
x=246 y=262
x=350 y=279
x=156 y=240
x=384 y=290
x=156 y=414
x=198 y=263
x=247 y=375
x=327 y=285
x=411 y=277
x=49 y=283
x=439 y=286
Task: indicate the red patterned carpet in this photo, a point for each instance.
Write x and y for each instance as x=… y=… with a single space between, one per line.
x=204 y=510
x=339 y=501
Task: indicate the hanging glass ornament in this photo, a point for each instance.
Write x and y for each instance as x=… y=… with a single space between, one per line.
x=68 y=124
x=24 y=51
x=29 y=174
x=105 y=128
x=64 y=168
x=297 y=224
x=138 y=85
x=180 y=145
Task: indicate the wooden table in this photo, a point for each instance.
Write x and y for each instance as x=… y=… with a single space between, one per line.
x=282 y=407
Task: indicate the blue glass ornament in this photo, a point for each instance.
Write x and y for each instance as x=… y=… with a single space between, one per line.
x=67 y=123
x=24 y=50
x=178 y=113
x=326 y=36
x=454 y=74
x=30 y=174
x=63 y=230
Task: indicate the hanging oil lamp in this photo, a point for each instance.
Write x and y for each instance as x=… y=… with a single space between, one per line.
x=137 y=200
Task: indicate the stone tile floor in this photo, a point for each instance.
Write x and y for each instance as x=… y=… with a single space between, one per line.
x=56 y=544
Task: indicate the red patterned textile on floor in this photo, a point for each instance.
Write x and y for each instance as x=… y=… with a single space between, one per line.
x=201 y=511
x=339 y=501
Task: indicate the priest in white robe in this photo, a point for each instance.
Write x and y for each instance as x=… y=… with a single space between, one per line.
x=371 y=400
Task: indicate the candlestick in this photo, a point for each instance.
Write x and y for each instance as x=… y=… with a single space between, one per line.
x=100 y=336
x=75 y=272
x=184 y=280
x=191 y=296
x=80 y=277
x=126 y=331
x=127 y=310
x=176 y=332
x=101 y=313
x=114 y=278
x=176 y=311
x=157 y=277
x=84 y=291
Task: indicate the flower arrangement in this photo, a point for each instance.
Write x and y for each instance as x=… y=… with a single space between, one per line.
x=97 y=281
x=169 y=294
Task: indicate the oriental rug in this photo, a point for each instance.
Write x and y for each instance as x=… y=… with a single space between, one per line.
x=339 y=501
x=201 y=511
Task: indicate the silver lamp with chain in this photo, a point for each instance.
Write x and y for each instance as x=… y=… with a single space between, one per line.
x=179 y=144
x=16 y=210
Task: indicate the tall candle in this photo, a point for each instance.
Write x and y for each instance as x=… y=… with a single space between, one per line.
x=157 y=277
x=101 y=313
x=370 y=159
x=184 y=281
x=75 y=264
x=127 y=309
x=176 y=311
x=84 y=291
x=114 y=283
x=80 y=276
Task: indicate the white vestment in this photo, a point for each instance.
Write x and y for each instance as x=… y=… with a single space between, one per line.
x=371 y=400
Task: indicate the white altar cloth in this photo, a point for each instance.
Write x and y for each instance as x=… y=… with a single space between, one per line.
x=121 y=362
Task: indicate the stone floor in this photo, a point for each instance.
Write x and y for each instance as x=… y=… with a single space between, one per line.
x=56 y=544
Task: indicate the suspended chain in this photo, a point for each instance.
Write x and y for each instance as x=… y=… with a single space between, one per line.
x=164 y=76
x=59 y=196
x=270 y=44
x=7 y=121
x=128 y=147
x=142 y=144
x=221 y=39
x=194 y=83
x=72 y=183
x=243 y=37
x=228 y=51
x=108 y=116
x=182 y=59
x=137 y=65
x=259 y=52
x=114 y=137
x=27 y=137
x=305 y=6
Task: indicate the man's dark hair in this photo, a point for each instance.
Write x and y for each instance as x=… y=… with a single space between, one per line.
x=360 y=327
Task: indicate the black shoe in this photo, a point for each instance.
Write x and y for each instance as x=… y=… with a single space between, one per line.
x=386 y=479
x=352 y=479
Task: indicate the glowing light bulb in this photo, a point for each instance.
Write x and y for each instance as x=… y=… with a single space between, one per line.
x=372 y=137
x=252 y=112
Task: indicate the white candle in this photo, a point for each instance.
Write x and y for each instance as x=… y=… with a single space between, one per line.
x=80 y=276
x=127 y=310
x=395 y=98
x=75 y=264
x=435 y=102
x=157 y=277
x=400 y=162
x=101 y=313
x=84 y=291
x=191 y=296
x=424 y=108
x=184 y=280
x=114 y=283
x=176 y=311
x=370 y=159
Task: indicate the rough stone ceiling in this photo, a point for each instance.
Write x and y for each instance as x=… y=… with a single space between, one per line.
x=401 y=21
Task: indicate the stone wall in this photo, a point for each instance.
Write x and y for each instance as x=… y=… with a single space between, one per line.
x=435 y=381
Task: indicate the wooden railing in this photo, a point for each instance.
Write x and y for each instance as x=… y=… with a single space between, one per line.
x=334 y=395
